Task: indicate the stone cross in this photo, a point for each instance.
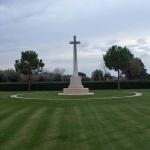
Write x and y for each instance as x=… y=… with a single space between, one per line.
x=75 y=61
x=75 y=87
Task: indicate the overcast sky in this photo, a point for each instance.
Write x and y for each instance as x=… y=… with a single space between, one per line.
x=47 y=26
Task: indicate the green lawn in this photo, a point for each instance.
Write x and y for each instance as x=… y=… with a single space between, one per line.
x=54 y=95
x=117 y=124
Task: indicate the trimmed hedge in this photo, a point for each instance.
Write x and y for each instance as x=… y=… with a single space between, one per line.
x=37 y=86
x=114 y=85
x=56 y=86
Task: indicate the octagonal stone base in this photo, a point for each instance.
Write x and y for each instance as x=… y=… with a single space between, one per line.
x=75 y=87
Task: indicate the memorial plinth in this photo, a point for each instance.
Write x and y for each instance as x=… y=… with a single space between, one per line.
x=75 y=87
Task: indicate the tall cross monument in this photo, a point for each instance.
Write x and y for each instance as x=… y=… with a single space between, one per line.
x=75 y=61
x=75 y=87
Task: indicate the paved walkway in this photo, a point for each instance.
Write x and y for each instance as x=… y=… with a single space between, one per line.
x=19 y=96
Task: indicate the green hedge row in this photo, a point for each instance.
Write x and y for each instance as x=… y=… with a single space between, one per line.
x=60 y=85
x=114 y=85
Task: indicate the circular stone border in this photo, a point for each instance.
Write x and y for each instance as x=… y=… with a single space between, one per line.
x=19 y=96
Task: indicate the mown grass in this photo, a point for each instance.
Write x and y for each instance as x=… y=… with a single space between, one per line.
x=117 y=124
x=54 y=95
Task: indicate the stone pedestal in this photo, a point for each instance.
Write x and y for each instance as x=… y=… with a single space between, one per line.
x=75 y=87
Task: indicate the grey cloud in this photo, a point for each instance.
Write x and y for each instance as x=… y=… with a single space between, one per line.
x=112 y=42
x=146 y=48
x=84 y=44
x=100 y=48
x=48 y=26
x=142 y=41
x=4 y=2
x=133 y=46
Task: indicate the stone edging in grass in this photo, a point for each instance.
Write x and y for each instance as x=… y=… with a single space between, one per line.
x=19 y=96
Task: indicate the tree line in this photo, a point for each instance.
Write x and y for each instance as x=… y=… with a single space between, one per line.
x=30 y=68
x=58 y=74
